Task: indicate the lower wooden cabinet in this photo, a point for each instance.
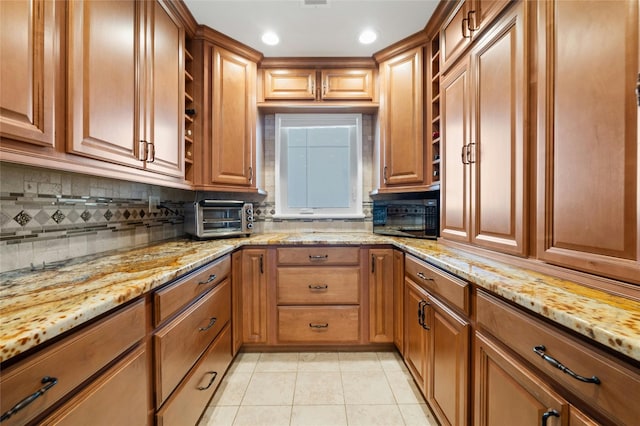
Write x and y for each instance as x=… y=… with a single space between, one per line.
x=254 y=295
x=318 y=324
x=381 y=296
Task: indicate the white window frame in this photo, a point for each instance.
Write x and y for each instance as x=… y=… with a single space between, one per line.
x=354 y=211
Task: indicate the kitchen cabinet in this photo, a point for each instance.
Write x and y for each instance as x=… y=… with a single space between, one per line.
x=589 y=379
x=381 y=295
x=28 y=71
x=398 y=300
x=65 y=367
x=587 y=137
x=141 y=125
x=465 y=23
x=255 y=287
x=437 y=339
x=484 y=138
x=318 y=295
x=318 y=85
x=403 y=157
x=229 y=148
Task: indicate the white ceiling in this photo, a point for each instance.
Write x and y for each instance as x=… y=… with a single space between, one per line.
x=314 y=31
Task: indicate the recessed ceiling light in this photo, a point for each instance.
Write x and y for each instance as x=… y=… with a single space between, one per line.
x=367 y=37
x=270 y=38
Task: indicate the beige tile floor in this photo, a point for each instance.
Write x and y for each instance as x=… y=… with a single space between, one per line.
x=317 y=389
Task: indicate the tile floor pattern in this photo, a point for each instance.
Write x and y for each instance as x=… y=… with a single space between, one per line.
x=318 y=389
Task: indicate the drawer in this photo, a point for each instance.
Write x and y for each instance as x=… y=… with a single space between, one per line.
x=180 y=343
x=103 y=402
x=71 y=361
x=452 y=289
x=320 y=255
x=189 y=401
x=317 y=285
x=312 y=324
x=176 y=296
x=522 y=333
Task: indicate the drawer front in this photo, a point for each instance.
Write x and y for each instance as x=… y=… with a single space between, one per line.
x=189 y=401
x=308 y=324
x=71 y=361
x=169 y=300
x=103 y=403
x=178 y=345
x=450 y=288
x=319 y=256
x=522 y=333
x=314 y=286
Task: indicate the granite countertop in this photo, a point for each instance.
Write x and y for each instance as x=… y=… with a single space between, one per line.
x=36 y=306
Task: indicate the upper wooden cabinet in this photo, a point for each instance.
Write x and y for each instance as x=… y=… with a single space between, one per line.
x=484 y=108
x=587 y=169
x=28 y=70
x=126 y=104
x=403 y=155
x=465 y=23
x=342 y=84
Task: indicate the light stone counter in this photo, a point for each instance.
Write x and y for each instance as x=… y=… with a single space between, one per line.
x=36 y=306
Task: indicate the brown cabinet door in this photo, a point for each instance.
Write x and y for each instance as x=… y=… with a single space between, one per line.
x=455 y=135
x=415 y=335
x=27 y=71
x=232 y=129
x=401 y=124
x=254 y=295
x=166 y=96
x=381 y=295
x=346 y=84
x=398 y=300
x=497 y=141
x=289 y=84
x=587 y=192
x=104 y=105
x=455 y=35
x=507 y=393
x=449 y=365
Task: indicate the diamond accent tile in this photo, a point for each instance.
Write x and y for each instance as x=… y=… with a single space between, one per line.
x=118 y=214
x=42 y=217
x=22 y=218
x=142 y=214
x=126 y=214
x=134 y=214
x=73 y=216
x=58 y=216
x=85 y=215
x=4 y=219
x=108 y=215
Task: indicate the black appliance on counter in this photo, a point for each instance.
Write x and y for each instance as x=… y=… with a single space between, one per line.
x=407 y=217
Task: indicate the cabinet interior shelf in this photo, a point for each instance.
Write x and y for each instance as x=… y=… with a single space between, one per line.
x=188 y=76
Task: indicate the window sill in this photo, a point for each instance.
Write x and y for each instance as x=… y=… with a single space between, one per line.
x=318 y=216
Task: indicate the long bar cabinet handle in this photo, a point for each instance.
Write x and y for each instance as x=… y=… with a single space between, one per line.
x=214 y=374
x=463 y=155
x=550 y=413
x=48 y=383
x=540 y=350
x=465 y=27
x=474 y=27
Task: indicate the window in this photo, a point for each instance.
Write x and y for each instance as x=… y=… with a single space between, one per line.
x=319 y=165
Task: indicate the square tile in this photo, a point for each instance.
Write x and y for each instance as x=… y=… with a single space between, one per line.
x=404 y=388
x=362 y=387
x=359 y=361
x=373 y=415
x=318 y=415
x=270 y=388
x=277 y=362
x=318 y=388
x=391 y=361
x=245 y=362
x=319 y=361
x=263 y=416
x=219 y=416
x=231 y=389
x=417 y=415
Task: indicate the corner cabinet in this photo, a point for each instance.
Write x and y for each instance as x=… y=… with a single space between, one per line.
x=126 y=106
x=587 y=171
x=484 y=139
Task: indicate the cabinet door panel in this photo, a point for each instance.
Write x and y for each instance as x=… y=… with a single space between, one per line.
x=381 y=295
x=289 y=84
x=499 y=111
x=455 y=133
x=103 y=99
x=254 y=295
x=455 y=35
x=232 y=118
x=588 y=136
x=415 y=337
x=27 y=71
x=347 y=84
x=166 y=110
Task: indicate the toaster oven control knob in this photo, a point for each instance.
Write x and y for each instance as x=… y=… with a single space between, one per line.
x=250 y=225
x=250 y=219
x=249 y=212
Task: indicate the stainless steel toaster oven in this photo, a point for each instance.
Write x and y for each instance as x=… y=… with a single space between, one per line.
x=218 y=219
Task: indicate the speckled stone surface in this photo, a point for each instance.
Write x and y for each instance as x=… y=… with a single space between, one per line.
x=36 y=306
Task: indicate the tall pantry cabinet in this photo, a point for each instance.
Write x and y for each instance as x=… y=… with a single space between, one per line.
x=484 y=110
x=587 y=136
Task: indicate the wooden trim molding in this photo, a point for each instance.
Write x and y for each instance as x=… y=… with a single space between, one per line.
x=209 y=34
x=318 y=63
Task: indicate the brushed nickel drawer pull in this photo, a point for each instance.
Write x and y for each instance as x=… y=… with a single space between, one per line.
x=540 y=350
x=213 y=378
x=318 y=287
x=48 y=383
x=318 y=257
x=211 y=278
x=211 y=322
x=325 y=325
x=424 y=277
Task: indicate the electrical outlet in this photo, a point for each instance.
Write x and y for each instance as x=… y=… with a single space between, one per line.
x=154 y=202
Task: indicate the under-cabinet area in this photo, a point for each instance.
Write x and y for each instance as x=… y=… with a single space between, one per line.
x=473 y=354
